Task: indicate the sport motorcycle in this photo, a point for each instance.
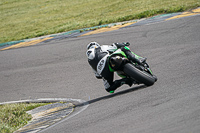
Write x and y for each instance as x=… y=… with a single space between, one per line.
x=125 y=68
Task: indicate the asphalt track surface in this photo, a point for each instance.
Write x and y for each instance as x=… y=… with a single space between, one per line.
x=59 y=69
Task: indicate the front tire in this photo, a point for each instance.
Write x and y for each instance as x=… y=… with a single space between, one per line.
x=138 y=75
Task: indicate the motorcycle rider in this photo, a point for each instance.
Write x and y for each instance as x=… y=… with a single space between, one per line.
x=97 y=58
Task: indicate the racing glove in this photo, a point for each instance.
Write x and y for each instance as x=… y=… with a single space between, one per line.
x=120 y=45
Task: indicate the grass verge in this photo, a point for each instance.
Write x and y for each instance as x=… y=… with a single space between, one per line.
x=14 y=116
x=22 y=19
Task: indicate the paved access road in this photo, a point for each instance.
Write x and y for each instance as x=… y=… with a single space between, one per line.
x=59 y=69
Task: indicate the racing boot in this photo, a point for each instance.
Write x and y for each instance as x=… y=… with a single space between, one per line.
x=118 y=83
x=135 y=58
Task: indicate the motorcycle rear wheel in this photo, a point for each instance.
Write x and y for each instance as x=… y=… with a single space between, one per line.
x=138 y=75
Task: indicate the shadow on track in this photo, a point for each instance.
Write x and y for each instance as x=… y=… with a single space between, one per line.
x=110 y=96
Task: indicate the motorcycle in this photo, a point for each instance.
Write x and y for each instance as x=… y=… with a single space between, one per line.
x=125 y=68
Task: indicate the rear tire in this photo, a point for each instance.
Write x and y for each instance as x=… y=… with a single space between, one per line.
x=138 y=75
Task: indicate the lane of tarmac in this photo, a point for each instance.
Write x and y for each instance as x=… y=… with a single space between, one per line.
x=59 y=69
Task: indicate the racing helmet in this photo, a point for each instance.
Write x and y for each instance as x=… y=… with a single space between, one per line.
x=93 y=45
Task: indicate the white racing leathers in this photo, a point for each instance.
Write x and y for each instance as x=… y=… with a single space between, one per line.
x=97 y=59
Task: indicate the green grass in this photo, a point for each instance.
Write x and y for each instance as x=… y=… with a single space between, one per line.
x=22 y=19
x=14 y=116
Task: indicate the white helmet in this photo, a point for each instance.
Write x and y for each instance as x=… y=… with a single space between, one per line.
x=93 y=45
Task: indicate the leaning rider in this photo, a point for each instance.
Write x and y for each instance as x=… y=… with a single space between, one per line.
x=95 y=53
